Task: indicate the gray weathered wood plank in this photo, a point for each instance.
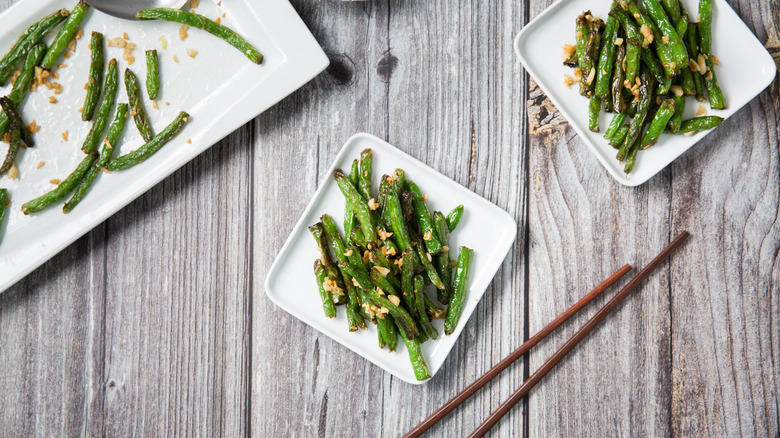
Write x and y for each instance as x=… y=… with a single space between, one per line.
x=725 y=302
x=423 y=81
x=156 y=322
x=142 y=326
x=692 y=354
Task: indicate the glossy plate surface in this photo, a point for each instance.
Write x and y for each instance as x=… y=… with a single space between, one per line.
x=485 y=228
x=219 y=87
x=745 y=69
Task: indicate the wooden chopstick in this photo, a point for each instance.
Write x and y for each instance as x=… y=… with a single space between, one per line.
x=526 y=387
x=501 y=366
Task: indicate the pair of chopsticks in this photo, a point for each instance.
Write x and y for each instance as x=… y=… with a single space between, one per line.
x=526 y=387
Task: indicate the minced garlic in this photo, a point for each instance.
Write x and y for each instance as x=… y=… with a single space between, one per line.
x=183 y=32
x=32 y=128
x=568 y=51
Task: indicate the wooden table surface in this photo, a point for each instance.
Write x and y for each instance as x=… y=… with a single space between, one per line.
x=156 y=323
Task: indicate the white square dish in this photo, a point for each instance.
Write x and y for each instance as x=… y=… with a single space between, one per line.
x=538 y=45
x=485 y=228
x=219 y=87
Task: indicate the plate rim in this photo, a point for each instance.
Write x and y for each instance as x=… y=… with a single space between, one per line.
x=504 y=248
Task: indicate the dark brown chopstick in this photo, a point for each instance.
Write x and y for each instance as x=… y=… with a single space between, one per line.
x=501 y=366
x=526 y=387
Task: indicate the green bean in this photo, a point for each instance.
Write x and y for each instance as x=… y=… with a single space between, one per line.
x=96 y=67
x=651 y=62
x=615 y=125
x=349 y=216
x=110 y=84
x=582 y=34
x=631 y=107
x=419 y=364
x=633 y=50
x=681 y=26
x=405 y=321
x=424 y=219
x=381 y=329
x=619 y=76
x=395 y=216
x=427 y=262
x=29 y=39
x=619 y=137
x=327 y=299
x=645 y=100
x=664 y=52
x=63 y=188
x=672 y=8
x=459 y=288
x=378 y=258
x=714 y=92
x=152 y=74
x=593 y=113
x=705 y=27
x=354 y=317
x=633 y=34
x=679 y=109
x=407 y=279
x=13 y=148
x=203 y=23
x=697 y=124
x=391 y=334
x=606 y=59
x=364 y=175
x=588 y=80
x=453 y=218
x=111 y=140
x=65 y=34
x=3 y=202
x=359 y=205
x=355 y=260
x=150 y=148
x=658 y=124
x=656 y=12
x=443 y=264
x=22 y=84
x=336 y=283
x=10 y=111
x=136 y=103
x=692 y=40
x=384 y=279
x=318 y=232
x=356 y=237
x=418 y=293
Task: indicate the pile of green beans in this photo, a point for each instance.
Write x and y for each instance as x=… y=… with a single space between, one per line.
x=643 y=62
x=392 y=250
x=102 y=88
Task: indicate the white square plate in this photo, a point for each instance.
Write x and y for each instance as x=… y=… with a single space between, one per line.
x=220 y=89
x=485 y=228
x=745 y=69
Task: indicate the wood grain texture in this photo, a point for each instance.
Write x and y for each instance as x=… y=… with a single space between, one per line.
x=117 y=337
x=694 y=353
x=725 y=290
x=423 y=76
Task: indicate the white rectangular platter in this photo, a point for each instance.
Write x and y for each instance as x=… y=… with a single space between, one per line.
x=745 y=69
x=220 y=89
x=485 y=228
